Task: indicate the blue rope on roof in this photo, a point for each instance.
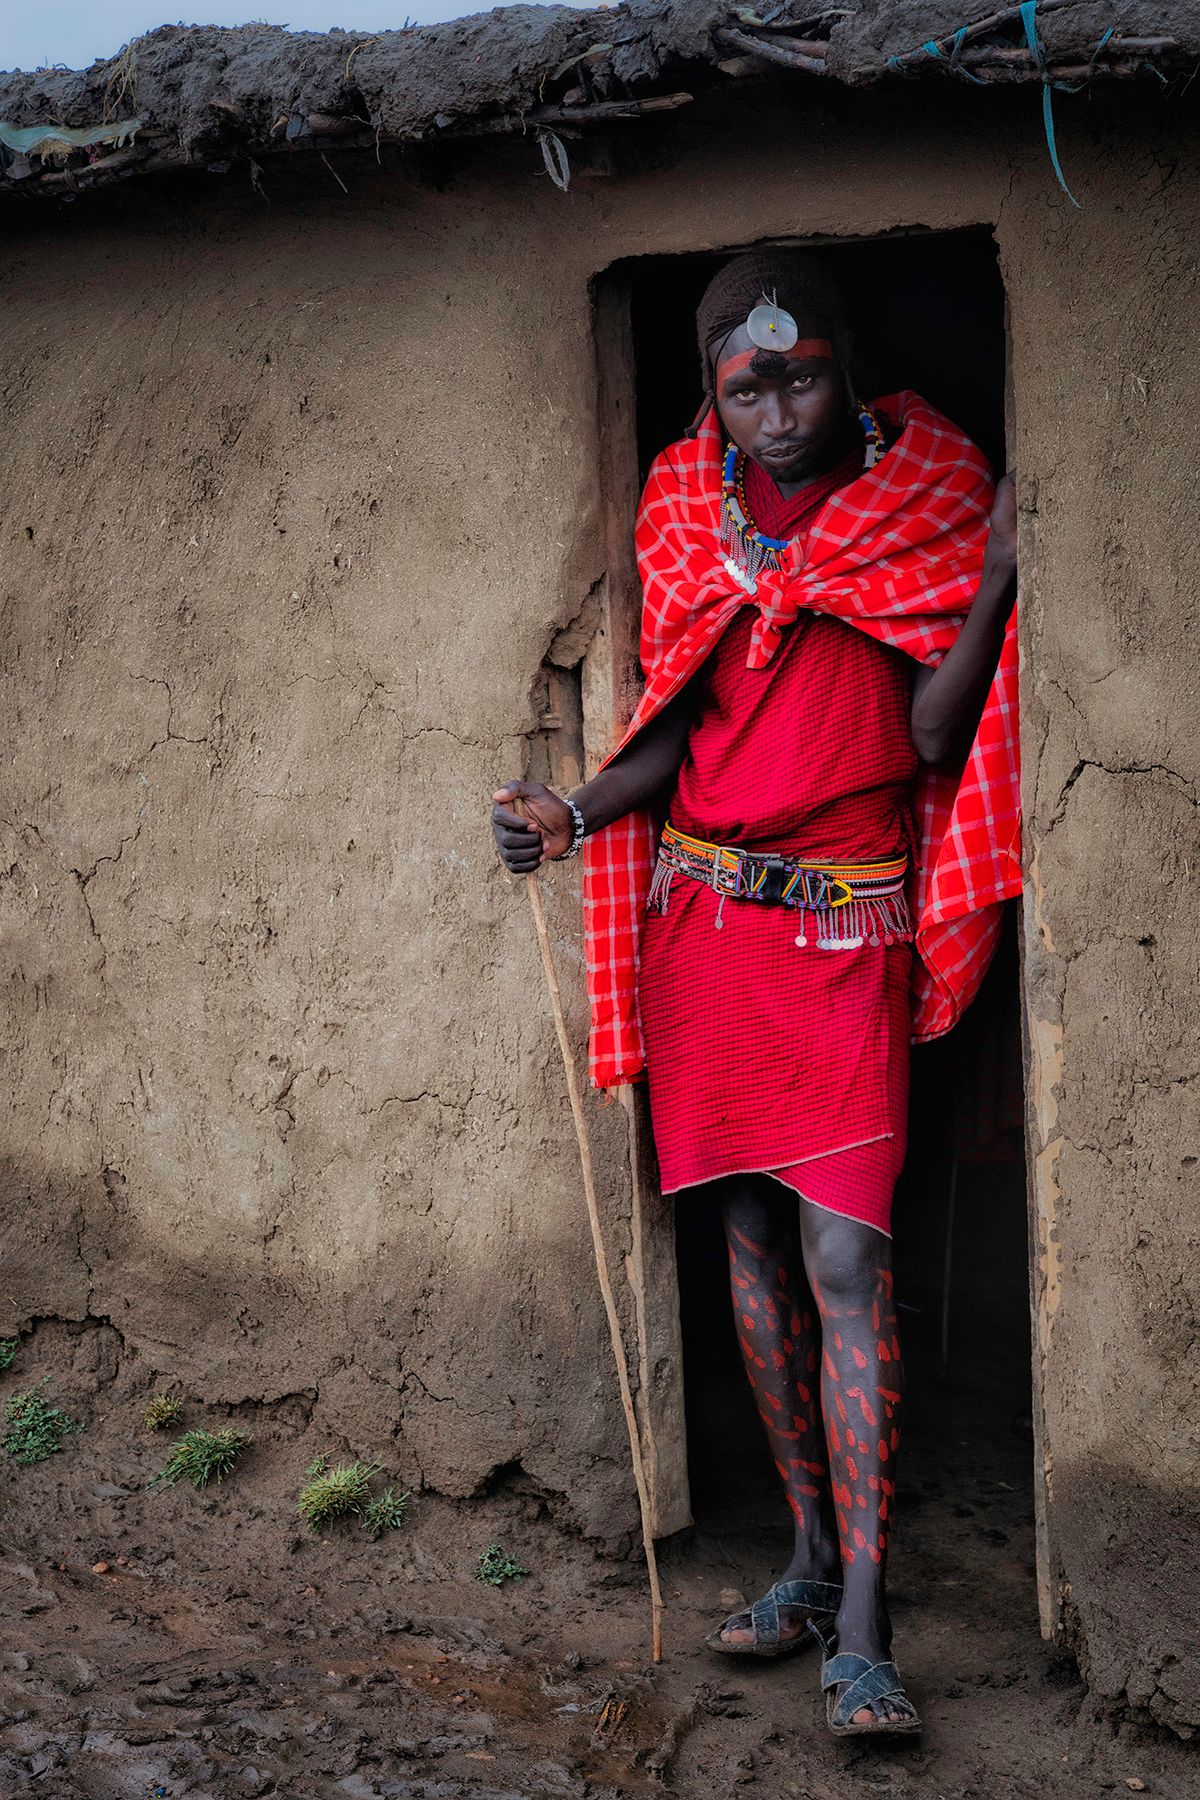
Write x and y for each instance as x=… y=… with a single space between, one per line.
x=956 y=54
x=1028 y=14
x=1029 y=21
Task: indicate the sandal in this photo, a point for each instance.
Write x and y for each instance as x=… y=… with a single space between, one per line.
x=817 y=1596
x=864 y=1682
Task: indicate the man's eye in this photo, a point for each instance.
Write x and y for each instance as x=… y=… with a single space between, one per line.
x=746 y=394
x=802 y=381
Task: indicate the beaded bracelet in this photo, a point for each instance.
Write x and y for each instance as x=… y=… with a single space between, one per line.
x=576 y=844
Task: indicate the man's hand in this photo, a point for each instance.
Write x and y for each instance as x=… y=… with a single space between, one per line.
x=1002 y=535
x=544 y=832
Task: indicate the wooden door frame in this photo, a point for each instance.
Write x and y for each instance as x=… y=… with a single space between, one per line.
x=611 y=687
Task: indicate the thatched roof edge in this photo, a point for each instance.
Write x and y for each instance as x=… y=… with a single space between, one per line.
x=203 y=96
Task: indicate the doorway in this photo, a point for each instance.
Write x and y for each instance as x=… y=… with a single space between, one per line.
x=960 y=1237
x=928 y=312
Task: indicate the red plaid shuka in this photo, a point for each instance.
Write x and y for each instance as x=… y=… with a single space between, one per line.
x=897 y=553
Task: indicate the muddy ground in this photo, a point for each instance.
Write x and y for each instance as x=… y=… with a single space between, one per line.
x=227 y=1651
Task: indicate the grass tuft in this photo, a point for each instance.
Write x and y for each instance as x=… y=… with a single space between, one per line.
x=8 y=1352
x=384 y=1513
x=35 y=1428
x=202 y=1456
x=496 y=1567
x=333 y=1493
x=162 y=1411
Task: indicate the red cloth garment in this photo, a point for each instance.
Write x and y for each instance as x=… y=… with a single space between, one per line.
x=762 y=1054
x=897 y=553
x=776 y=517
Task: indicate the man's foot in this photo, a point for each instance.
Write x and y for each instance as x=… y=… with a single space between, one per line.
x=780 y=1620
x=872 y=1642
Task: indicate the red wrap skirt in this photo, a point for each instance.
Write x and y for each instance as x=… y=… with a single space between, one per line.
x=764 y=1055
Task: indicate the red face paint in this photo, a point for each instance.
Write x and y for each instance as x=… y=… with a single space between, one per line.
x=807 y=350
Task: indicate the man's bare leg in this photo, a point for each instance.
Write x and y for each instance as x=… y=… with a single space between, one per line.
x=850 y=1271
x=779 y=1333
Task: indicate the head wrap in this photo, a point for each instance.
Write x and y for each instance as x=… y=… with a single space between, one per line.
x=799 y=281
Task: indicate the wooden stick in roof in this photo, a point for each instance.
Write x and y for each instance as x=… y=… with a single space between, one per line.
x=593 y=1211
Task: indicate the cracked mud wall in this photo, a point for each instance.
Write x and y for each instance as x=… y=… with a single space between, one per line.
x=1105 y=359
x=282 y=1096
x=297 y=499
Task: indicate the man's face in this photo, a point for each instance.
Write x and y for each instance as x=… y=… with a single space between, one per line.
x=781 y=410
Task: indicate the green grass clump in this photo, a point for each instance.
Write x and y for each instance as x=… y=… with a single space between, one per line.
x=384 y=1513
x=8 y=1352
x=35 y=1428
x=162 y=1411
x=333 y=1493
x=203 y=1456
x=496 y=1567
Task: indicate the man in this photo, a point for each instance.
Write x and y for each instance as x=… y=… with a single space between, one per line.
x=807 y=564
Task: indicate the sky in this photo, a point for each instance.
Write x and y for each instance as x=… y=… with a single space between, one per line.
x=76 y=32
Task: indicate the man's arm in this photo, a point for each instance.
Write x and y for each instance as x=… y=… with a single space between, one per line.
x=650 y=763
x=948 y=701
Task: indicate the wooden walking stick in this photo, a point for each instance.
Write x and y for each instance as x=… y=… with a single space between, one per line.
x=593 y=1209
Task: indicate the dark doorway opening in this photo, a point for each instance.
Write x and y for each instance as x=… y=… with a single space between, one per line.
x=928 y=312
x=965 y=1506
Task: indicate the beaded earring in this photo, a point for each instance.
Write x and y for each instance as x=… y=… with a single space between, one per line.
x=872 y=432
x=749 y=551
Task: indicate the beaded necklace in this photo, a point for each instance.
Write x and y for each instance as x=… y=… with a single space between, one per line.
x=748 y=550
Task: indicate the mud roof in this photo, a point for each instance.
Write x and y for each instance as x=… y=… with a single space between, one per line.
x=207 y=97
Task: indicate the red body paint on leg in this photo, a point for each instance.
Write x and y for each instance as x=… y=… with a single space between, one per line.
x=853 y=1359
x=768 y=1292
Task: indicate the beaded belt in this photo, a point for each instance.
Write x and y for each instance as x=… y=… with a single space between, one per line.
x=851 y=903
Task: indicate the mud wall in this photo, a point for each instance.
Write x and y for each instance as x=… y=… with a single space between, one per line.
x=296 y=499
x=1104 y=355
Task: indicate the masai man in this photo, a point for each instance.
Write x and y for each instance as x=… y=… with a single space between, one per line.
x=821 y=774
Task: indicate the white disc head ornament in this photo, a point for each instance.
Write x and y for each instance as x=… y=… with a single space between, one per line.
x=769 y=327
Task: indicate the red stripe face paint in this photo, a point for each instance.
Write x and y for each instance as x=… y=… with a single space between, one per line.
x=742 y=361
